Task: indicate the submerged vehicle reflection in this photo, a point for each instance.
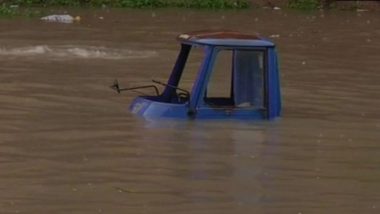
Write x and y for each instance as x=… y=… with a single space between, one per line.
x=254 y=85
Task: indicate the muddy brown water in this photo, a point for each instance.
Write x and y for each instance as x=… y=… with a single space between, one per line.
x=69 y=145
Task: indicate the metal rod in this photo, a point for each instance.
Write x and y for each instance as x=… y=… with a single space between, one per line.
x=139 y=87
x=116 y=87
x=172 y=86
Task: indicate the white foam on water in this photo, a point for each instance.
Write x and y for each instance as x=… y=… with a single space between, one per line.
x=25 y=51
x=73 y=52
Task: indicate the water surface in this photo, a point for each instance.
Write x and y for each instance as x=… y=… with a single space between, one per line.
x=69 y=145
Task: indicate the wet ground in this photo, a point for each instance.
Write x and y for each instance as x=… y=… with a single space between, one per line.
x=69 y=145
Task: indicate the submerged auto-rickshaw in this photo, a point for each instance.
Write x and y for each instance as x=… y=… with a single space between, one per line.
x=254 y=81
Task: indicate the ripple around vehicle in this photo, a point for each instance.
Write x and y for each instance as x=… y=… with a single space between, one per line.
x=253 y=81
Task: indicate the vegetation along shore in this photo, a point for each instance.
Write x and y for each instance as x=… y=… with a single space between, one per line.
x=28 y=7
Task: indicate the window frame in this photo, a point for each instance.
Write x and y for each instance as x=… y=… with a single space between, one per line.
x=202 y=102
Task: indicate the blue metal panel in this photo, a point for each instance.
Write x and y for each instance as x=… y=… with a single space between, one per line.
x=152 y=109
x=273 y=84
x=232 y=113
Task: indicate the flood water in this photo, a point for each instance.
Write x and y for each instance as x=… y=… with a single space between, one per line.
x=68 y=143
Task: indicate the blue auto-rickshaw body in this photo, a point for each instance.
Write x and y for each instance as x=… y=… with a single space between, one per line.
x=255 y=93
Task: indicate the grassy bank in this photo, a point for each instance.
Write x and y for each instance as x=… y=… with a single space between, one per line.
x=11 y=10
x=212 y=4
x=25 y=7
x=304 y=4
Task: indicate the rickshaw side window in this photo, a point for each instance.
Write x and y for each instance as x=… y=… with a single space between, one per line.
x=219 y=89
x=249 y=87
x=237 y=80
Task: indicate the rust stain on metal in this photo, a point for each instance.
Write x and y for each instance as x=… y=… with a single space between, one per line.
x=207 y=34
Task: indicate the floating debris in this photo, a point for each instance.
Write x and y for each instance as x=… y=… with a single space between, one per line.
x=361 y=10
x=274 y=36
x=61 y=18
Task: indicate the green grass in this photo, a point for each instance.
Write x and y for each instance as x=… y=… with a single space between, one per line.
x=304 y=4
x=212 y=4
x=27 y=7
x=6 y=10
x=11 y=10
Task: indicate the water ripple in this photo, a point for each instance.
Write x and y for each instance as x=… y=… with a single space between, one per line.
x=73 y=52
